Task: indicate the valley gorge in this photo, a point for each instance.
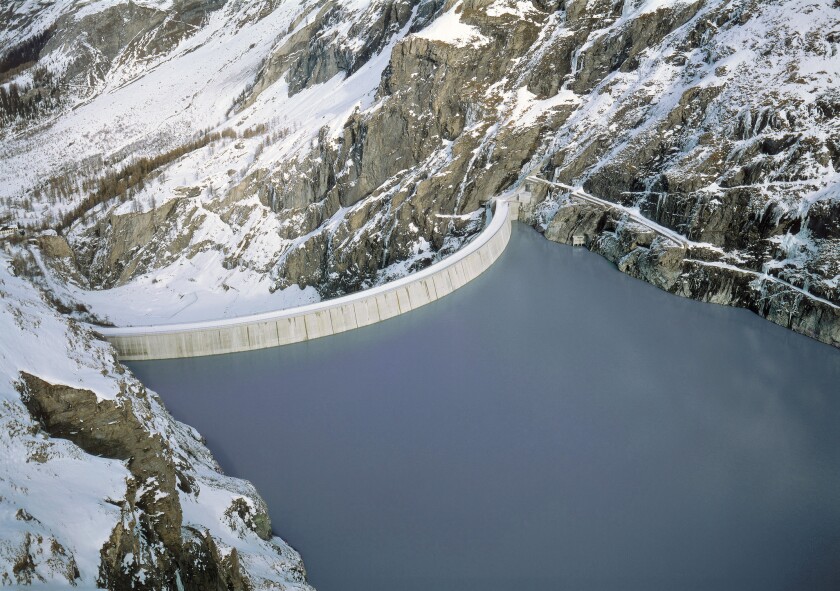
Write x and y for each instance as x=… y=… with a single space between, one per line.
x=191 y=160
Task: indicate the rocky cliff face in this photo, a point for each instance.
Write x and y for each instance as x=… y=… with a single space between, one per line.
x=725 y=133
x=100 y=487
x=232 y=152
x=355 y=141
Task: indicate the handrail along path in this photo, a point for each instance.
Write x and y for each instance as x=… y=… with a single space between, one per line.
x=680 y=240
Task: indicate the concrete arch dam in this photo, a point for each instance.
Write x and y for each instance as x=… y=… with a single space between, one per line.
x=294 y=325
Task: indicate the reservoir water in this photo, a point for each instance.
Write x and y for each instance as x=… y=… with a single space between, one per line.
x=554 y=424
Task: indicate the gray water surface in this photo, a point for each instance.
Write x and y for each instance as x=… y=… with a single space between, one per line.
x=554 y=424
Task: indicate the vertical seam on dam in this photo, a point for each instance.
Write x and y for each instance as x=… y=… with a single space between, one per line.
x=326 y=318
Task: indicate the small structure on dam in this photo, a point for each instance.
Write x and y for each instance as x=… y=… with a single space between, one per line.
x=521 y=197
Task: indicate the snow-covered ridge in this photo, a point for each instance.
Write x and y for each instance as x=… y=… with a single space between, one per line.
x=148 y=104
x=340 y=149
x=59 y=505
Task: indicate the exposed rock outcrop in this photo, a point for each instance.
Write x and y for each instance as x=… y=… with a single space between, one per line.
x=151 y=547
x=699 y=272
x=364 y=137
x=99 y=486
x=336 y=145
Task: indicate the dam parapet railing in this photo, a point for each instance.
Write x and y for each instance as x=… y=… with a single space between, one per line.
x=303 y=323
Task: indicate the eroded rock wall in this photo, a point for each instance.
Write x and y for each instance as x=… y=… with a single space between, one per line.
x=718 y=119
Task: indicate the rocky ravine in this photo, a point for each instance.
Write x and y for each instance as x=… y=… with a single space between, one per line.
x=100 y=487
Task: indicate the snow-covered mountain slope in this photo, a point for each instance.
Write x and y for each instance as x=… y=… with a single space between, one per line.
x=99 y=486
x=151 y=101
x=189 y=159
x=188 y=149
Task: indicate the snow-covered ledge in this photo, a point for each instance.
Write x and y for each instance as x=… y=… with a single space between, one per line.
x=293 y=325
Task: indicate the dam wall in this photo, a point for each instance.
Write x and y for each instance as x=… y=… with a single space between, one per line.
x=293 y=325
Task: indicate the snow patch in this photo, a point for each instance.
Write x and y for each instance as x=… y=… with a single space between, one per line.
x=449 y=29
